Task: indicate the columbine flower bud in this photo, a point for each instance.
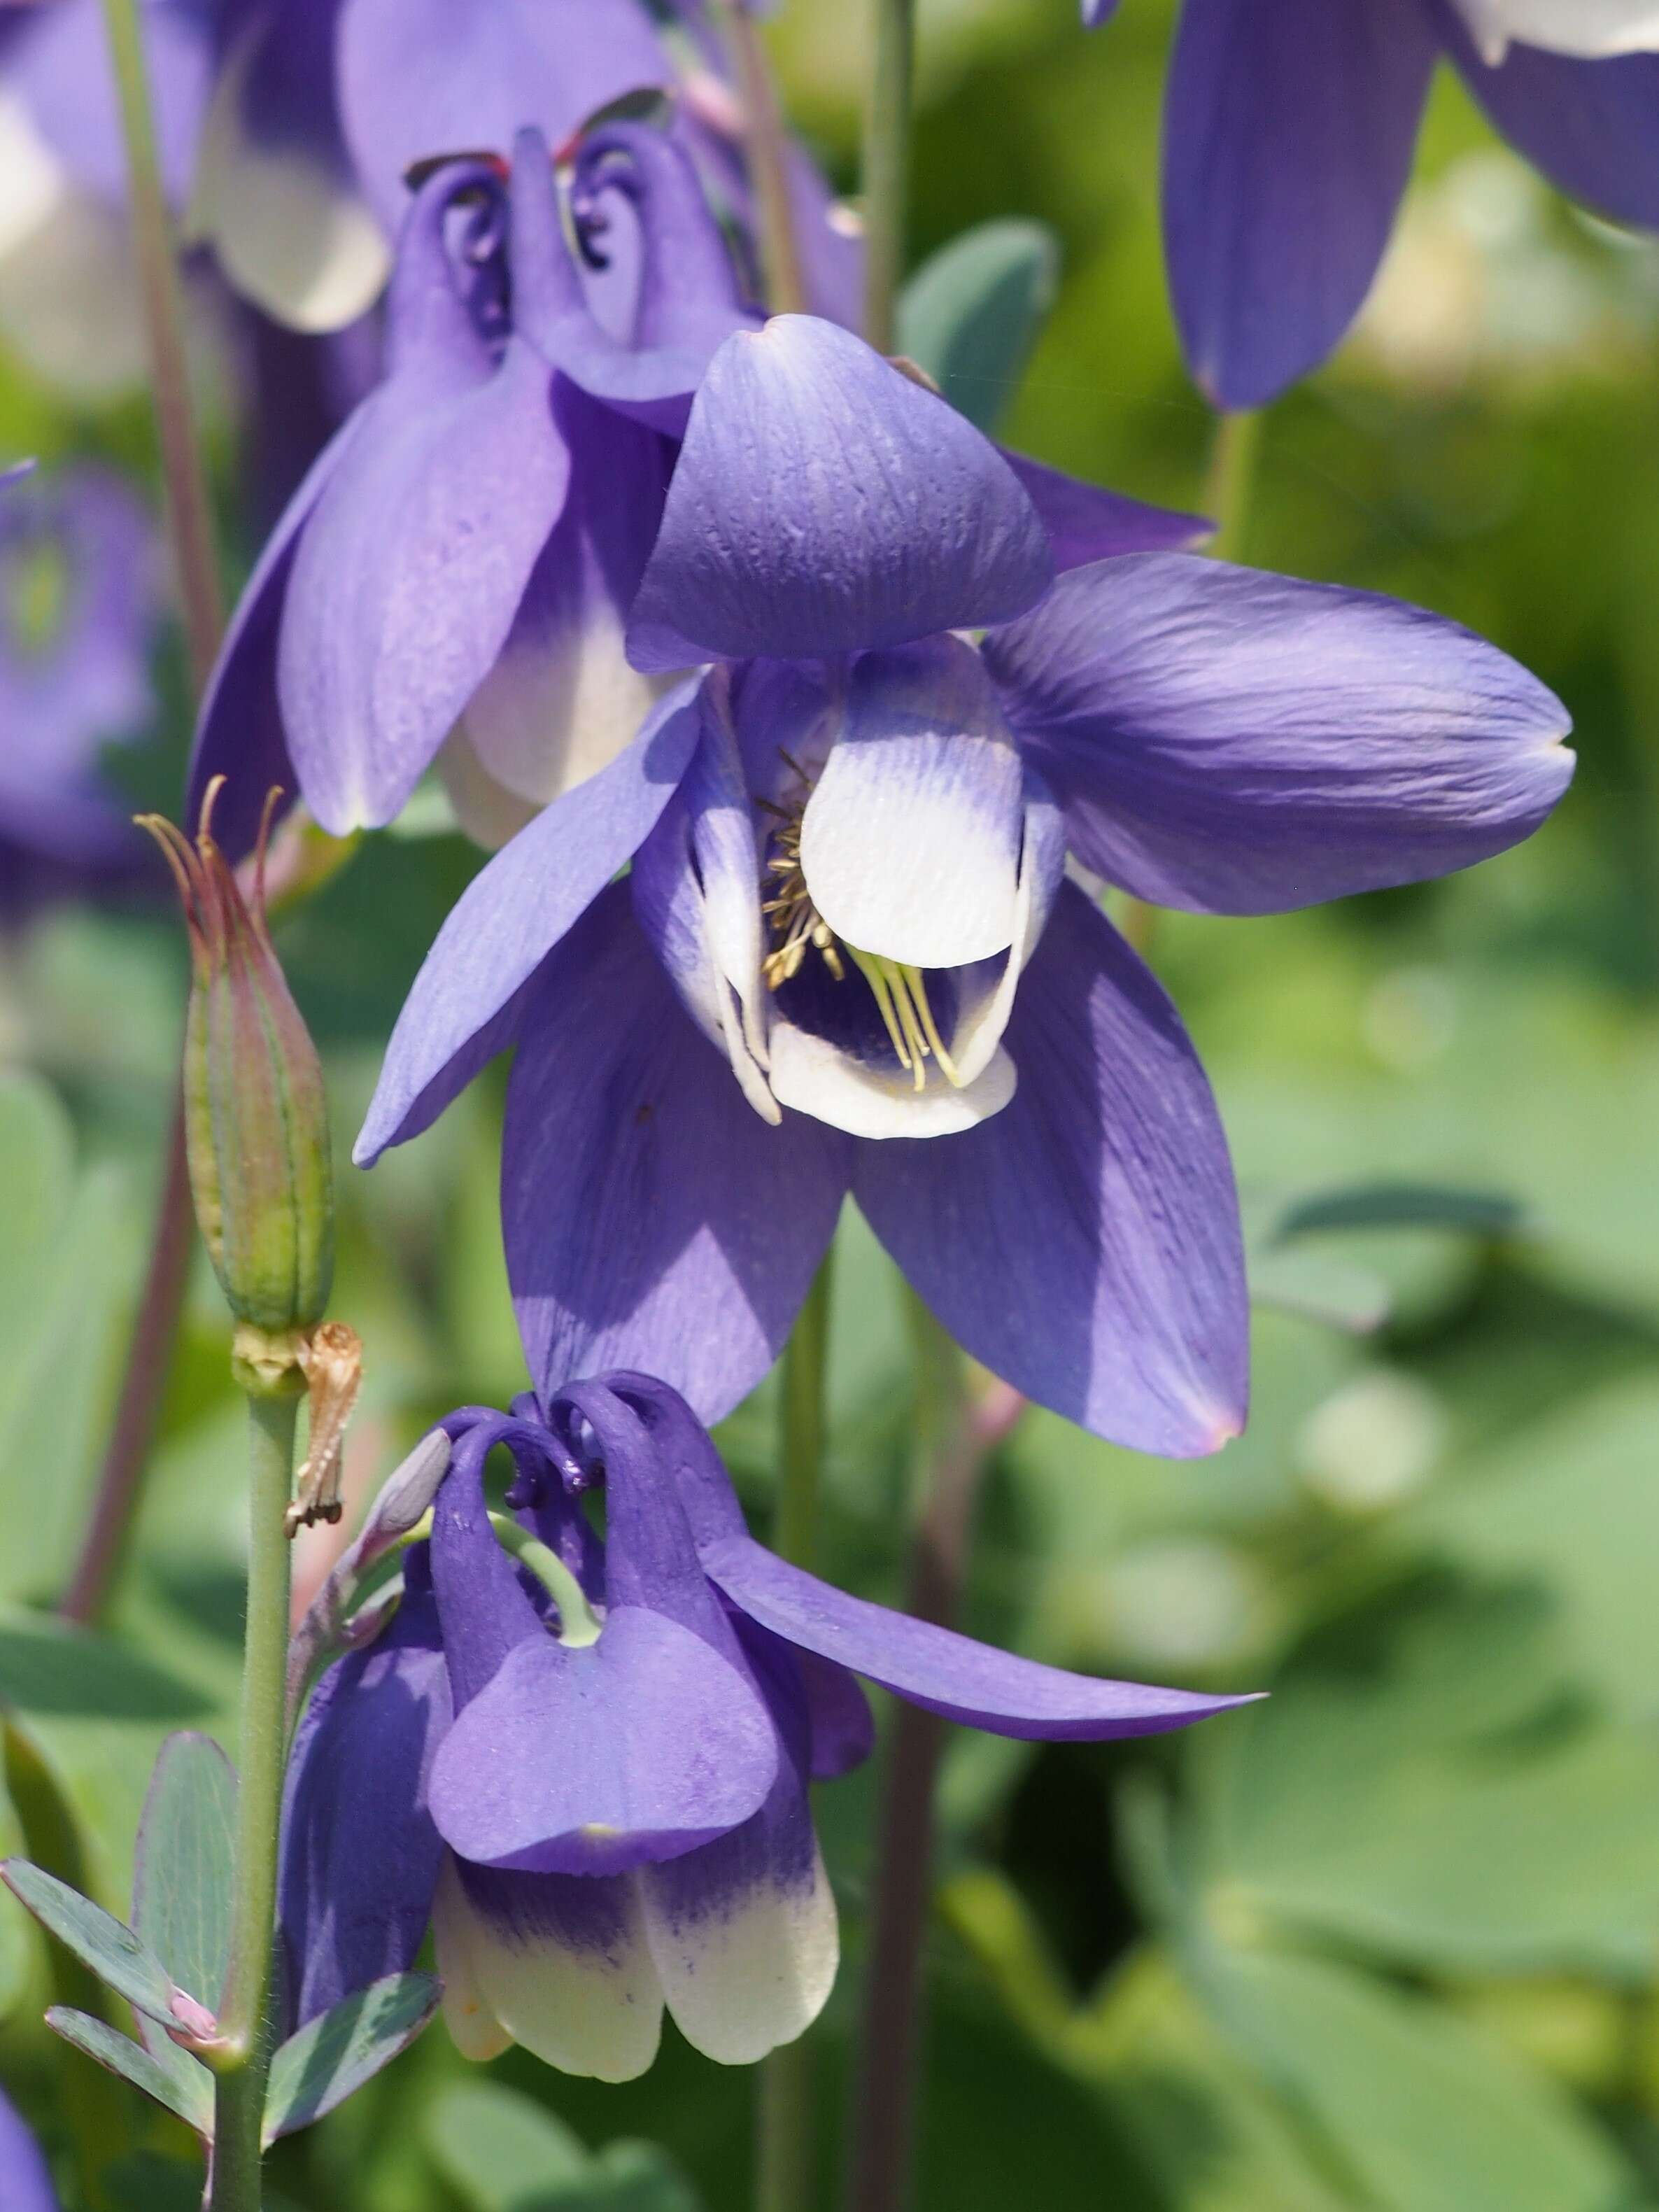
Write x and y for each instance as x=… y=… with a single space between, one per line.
x=255 y=1121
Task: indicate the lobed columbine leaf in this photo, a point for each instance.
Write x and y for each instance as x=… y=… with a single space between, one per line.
x=186 y=2087
x=344 y=2047
x=122 y=1960
x=183 y=1876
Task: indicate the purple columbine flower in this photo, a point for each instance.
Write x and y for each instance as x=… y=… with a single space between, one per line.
x=80 y=599
x=1289 y=130
x=601 y=1797
x=465 y=549
x=25 y=2180
x=848 y=959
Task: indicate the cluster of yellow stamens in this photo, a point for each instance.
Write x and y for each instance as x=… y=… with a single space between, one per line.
x=899 y=991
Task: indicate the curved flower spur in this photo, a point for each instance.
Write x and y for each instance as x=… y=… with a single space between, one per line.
x=591 y=1767
x=851 y=838
x=462 y=556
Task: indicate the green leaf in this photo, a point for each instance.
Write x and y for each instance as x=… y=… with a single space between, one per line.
x=341 y=2049
x=183 y=1883
x=1419 y=2113
x=145 y=2183
x=1402 y=1206
x=970 y=315
x=1315 y=1287
x=187 y=2091
x=500 y=2151
x=1421 y=1784
x=122 y=1960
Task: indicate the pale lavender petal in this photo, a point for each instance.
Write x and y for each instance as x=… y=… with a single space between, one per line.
x=422 y=77
x=1288 y=137
x=1591 y=126
x=239 y=734
x=637 y=1747
x=1237 y=743
x=461 y=1010
x=648 y=1215
x=1085 y=522
x=360 y=1852
x=60 y=69
x=408 y=577
x=824 y=503
x=1083 y=1244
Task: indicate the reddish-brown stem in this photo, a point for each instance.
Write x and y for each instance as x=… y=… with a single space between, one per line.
x=965 y=1434
x=161 y=1301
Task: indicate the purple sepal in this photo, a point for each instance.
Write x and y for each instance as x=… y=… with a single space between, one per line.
x=1288 y=136
x=1233 y=742
x=360 y=1852
x=1084 y=1243
x=1591 y=126
x=648 y=1214
x=25 y=2179
x=463 y=1005
x=1085 y=522
x=407 y=577
x=824 y=503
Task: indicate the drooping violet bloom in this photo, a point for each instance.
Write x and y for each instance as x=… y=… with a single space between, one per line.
x=25 y=2181
x=1289 y=130
x=853 y=890
x=80 y=600
x=601 y=1793
x=465 y=549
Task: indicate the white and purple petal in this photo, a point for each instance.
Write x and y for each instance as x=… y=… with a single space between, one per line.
x=558 y=1963
x=822 y=504
x=1591 y=126
x=1233 y=742
x=1083 y=1244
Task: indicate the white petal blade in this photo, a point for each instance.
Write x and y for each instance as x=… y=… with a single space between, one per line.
x=473 y=2028
x=816 y=1078
x=751 y=1972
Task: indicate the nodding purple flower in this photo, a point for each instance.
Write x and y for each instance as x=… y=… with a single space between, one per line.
x=25 y=2179
x=848 y=959
x=462 y=556
x=80 y=600
x=594 y=1777
x=1289 y=131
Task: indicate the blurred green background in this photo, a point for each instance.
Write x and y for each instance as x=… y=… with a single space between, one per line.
x=1390 y=1940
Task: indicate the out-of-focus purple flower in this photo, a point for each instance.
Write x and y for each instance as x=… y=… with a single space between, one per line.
x=853 y=890
x=602 y=1795
x=466 y=550
x=1289 y=131
x=80 y=598
x=25 y=2182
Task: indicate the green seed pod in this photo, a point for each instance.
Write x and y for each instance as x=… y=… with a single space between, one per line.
x=256 y=1123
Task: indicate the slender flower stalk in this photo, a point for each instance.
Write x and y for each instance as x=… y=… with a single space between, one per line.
x=956 y=1438
x=784 y=2149
x=887 y=166
x=190 y=526
x=766 y=147
x=245 y=2064
x=1232 y=480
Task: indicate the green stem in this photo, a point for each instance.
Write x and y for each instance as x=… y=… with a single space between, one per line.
x=1232 y=479
x=784 y=2160
x=887 y=167
x=244 y=2024
x=190 y=520
x=767 y=146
